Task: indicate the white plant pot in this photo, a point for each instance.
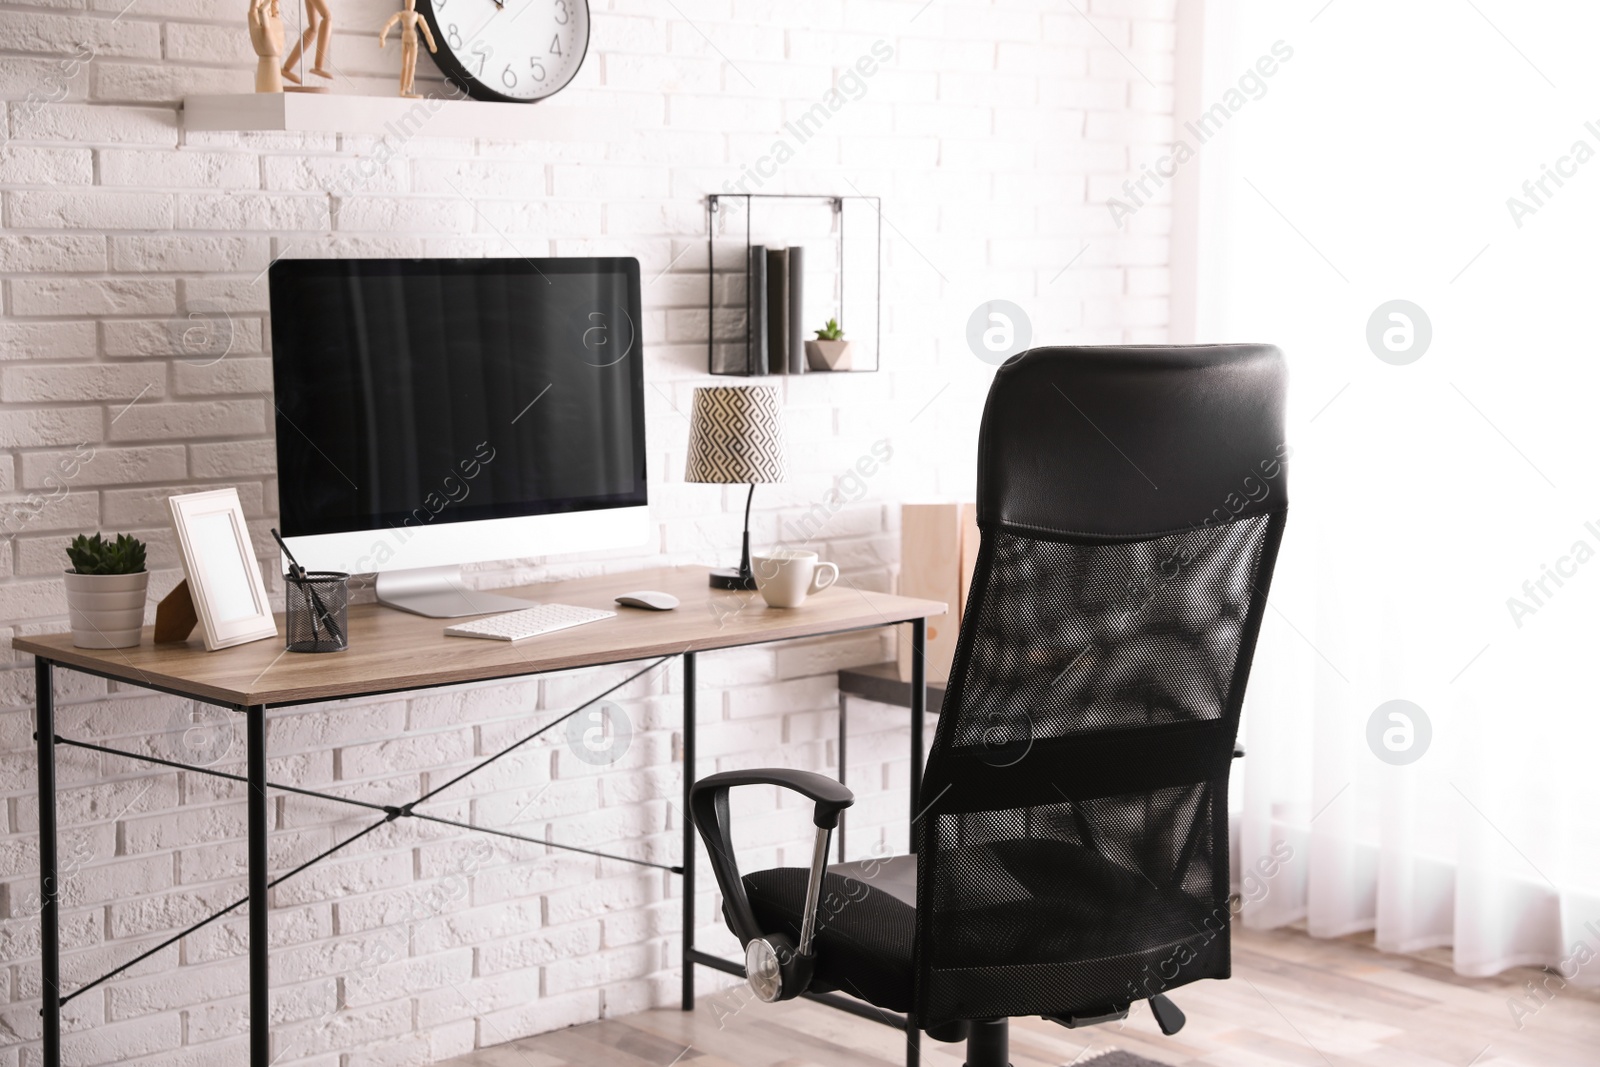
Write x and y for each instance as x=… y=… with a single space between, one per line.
x=829 y=355
x=107 y=610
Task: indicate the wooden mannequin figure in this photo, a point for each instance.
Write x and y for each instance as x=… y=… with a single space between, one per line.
x=319 y=26
x=266 y=37
x=411 y=24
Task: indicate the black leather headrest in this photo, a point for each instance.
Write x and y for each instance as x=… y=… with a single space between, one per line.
x=1131 y=441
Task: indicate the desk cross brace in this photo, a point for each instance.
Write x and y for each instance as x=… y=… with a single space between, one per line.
x=391 y=813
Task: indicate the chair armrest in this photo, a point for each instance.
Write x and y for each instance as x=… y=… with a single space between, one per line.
x=708 y=802
x=830 y=796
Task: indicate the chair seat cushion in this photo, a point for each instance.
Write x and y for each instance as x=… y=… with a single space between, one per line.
x=866 y=925
x=1064 y=904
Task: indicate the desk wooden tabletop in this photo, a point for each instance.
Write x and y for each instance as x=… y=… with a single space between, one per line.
x=393 y=650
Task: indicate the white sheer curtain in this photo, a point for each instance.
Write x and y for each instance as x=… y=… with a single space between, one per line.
x=1376 y=164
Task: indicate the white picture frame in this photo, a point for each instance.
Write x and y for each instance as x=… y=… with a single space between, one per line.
x=220 y=563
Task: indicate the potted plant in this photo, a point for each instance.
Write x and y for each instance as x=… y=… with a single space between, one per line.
x=106 y=589
x=830 y=351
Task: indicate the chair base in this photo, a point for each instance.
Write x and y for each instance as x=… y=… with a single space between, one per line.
x=989 y=1043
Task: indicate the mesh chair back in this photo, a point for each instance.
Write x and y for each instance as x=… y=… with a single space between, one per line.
x=1072 y=854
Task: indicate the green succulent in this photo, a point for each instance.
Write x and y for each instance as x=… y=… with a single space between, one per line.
x=96 y=555
x=831 y=332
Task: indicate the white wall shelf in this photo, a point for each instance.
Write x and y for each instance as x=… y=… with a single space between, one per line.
x=394 y=116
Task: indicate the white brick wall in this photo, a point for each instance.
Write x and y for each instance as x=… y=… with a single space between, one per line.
x=994 y=134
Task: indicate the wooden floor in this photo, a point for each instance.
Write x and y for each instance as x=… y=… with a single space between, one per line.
x=1292 y=1001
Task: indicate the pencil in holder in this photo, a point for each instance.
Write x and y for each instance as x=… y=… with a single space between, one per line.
x=317 y=611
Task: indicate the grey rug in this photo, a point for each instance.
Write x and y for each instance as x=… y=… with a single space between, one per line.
x=1116 y=1058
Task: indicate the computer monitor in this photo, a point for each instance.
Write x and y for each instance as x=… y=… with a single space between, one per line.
x=436 y=412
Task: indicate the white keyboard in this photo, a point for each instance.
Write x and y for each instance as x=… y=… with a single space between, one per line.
x=529 y=622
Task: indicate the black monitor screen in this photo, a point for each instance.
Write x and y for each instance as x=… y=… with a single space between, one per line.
x=453 y=390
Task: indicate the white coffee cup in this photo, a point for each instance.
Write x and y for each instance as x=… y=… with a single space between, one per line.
x=786 y=576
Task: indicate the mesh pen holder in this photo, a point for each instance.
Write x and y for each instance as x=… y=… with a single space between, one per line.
x=317 y=612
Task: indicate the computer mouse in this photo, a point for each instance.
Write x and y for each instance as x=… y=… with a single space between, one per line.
x=648 y=599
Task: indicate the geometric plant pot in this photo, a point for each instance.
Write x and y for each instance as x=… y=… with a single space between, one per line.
x=829 y=355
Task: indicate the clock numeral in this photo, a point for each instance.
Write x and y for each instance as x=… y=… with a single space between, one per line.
x=561 y=12
x=555 y=45
x=438 y=6
x=508 y=77
x=483 y=52
x=538 y=70
x=453 y=35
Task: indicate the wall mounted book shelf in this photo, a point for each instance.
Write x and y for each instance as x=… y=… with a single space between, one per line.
x=782 y=265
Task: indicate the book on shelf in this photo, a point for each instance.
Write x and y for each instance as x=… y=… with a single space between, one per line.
x=774 y=316
x=796 y=311
x=777 y=327
x=777 y=310
x=755 y=295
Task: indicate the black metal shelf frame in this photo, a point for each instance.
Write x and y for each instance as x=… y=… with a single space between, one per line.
x=714 y=207
x=259 y=883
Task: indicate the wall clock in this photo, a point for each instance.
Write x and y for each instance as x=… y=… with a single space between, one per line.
x=518 y=51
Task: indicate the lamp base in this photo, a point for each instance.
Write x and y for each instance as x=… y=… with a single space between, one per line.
x=731 y=578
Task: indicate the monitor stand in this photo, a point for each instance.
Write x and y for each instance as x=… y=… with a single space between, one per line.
x=439 y=593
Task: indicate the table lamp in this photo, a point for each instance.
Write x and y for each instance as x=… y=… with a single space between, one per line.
x=736 y=438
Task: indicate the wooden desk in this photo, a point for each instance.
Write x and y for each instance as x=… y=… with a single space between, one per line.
x=391 y=651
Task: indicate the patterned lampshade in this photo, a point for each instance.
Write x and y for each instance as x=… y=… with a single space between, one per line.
x=736 y=435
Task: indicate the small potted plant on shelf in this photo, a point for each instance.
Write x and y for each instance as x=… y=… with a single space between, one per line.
x=106 y=590
x=830 y=351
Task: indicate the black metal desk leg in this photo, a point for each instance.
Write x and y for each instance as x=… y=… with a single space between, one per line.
x=49 y=914
x=260 y=1002
x=843 y=734
x=688 y=830
x=919 y=706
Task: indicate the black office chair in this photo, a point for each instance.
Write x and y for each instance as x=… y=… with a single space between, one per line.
x=1072 y=853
